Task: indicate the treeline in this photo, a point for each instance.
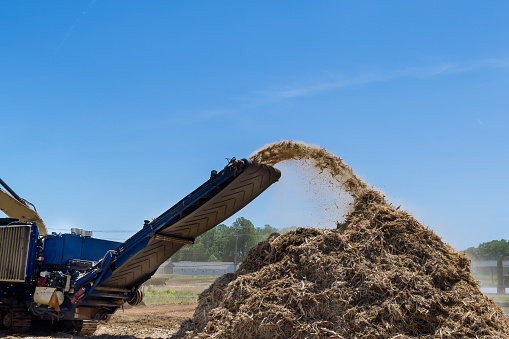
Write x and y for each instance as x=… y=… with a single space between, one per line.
x=219 y=243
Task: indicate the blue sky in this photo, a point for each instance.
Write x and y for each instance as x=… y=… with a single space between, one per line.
x=114 y=110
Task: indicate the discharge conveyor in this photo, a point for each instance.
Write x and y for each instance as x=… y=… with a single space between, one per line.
x=224 y=194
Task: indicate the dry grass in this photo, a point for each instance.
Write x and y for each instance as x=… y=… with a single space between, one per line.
x=163 y=295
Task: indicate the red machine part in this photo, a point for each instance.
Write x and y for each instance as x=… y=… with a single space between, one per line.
x=78 y=295
x=41 y=281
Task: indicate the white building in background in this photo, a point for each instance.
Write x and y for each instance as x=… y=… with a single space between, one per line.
x=196 y=268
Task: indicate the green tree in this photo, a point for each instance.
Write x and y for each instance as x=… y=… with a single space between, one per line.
x=223 y=245
x=195 y=252
x=182 y=254
x=244 y=237
x=208 y=239
x=493 y=250
x=267 y=230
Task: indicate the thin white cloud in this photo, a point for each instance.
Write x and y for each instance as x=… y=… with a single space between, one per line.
x=367 y=78
x=66 y=37
x=69 y=31
x=497 y=63
x=260 y=98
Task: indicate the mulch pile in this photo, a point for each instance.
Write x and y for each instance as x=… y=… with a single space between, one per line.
x=380 y=274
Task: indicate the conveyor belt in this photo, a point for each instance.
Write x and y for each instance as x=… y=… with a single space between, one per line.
x=214 y=207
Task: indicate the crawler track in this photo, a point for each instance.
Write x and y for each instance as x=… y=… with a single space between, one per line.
x=17 y=322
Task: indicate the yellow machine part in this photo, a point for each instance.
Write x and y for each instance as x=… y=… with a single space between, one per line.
x=16 y=209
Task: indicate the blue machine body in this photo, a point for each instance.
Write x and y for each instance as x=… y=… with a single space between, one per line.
x=62 y=248
x=32 y=252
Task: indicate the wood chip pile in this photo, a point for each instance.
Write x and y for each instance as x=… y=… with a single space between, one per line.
x=380 y=274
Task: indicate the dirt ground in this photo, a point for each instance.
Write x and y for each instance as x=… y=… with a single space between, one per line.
x=156 y=321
